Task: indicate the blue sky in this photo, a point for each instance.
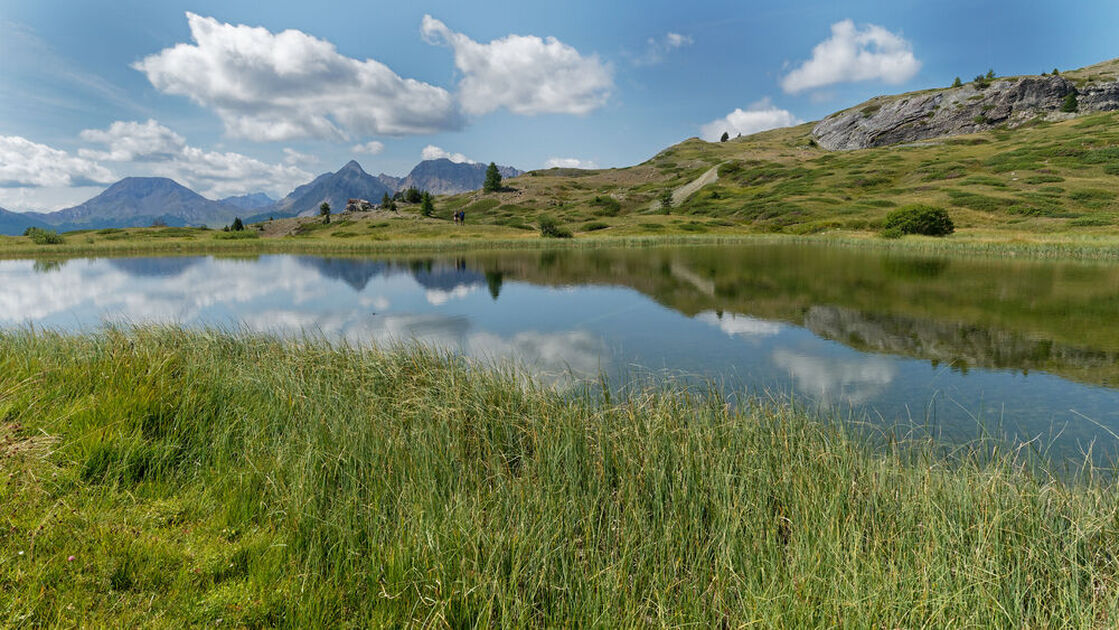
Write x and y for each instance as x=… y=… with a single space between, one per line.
x=234 y=97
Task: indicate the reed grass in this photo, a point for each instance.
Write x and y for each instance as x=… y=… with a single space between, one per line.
x=164 y=478
x=1052 y=247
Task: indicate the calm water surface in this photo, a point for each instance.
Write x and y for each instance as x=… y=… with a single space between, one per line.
x=1024 y=347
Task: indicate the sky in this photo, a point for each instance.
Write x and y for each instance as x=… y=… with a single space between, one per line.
x=230 y=97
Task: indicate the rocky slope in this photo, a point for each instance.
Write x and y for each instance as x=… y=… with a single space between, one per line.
x=444 y=177
x=971 y=108
x=350 y=181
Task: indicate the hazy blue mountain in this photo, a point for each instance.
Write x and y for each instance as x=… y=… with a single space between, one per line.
x=444 y=177
x=141 y=201
x=356 y=273
x=390 y=182
x=350 y=182
x=14 y=223
x=251 y=201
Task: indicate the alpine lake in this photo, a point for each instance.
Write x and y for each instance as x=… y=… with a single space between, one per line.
x=964 y=348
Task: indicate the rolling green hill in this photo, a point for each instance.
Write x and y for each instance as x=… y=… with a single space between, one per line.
x=1054 y=171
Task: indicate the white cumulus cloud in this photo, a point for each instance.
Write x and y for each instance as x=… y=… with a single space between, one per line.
x=523 y=73
x=128 y=141
x=372 y=147
x=854 y=54
x=558 y=162
x=432 y=152
x=160 y=151
x=760 y=116
x=279 y=86
x=27 y=164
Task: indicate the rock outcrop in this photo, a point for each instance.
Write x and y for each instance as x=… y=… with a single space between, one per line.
x=929 y=114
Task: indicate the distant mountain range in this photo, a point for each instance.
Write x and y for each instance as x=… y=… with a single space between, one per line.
x=251 y=201
x=143 y=201
x=348 y=182
x=17 y=222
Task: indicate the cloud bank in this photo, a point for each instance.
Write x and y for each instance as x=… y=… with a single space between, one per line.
x=165 y=153
x=27 y=164
x=280 y=86
x=524 y=74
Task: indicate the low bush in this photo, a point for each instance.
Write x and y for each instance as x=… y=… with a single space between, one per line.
x=40 y=236
x=919 y=219
x=550 y=229
x=595 y=226
x=235 y=236
x=606 y=206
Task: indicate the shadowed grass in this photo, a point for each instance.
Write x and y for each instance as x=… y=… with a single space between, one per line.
x=198 y=477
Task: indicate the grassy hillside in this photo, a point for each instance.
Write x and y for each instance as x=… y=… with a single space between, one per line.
x=164 y=479
x=1048 y=176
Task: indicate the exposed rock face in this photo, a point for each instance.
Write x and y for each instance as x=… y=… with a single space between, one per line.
x=918 y=116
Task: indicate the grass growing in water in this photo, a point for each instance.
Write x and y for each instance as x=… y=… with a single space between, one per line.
x=202 y=476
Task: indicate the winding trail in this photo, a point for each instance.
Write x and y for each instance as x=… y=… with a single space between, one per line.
x=681 y=194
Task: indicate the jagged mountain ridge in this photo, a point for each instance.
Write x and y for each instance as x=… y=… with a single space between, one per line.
x=142 y=201
x=350 y=181
x=444 y=177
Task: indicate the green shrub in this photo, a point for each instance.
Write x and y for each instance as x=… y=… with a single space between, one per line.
x=607 y=206
x=235 y=236
x=550 y=229
x=1044 y=179
x=595 y=225
x=919 y=219
x=40 y=236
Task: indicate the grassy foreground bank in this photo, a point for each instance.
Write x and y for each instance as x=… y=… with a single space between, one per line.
x=165 y=478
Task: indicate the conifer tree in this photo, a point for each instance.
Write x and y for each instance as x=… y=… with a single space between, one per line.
x=493 y=179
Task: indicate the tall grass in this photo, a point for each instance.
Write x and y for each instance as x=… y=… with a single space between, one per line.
x=984 y=244
x=208 y=478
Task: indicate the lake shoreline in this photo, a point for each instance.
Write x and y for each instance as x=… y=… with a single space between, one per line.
x=147 y=242
x=202 y=475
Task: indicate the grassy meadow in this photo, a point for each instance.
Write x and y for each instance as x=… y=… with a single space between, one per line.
x=166 y=478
